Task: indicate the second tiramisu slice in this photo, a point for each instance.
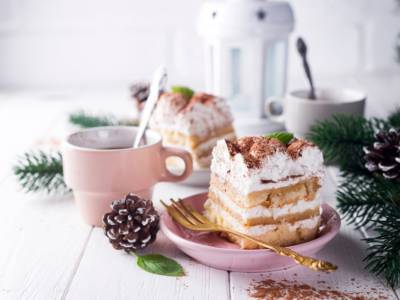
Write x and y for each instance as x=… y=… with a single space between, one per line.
x=194 y=121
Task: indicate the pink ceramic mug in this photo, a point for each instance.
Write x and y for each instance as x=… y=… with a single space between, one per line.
x=100 y=166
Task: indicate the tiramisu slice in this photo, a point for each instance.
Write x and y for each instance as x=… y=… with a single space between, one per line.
x=194 y=121
x=266 y=189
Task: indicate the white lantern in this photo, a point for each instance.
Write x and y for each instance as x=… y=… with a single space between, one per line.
x=246 y=44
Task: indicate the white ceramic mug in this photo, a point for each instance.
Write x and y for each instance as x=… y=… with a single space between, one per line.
x=299 y=113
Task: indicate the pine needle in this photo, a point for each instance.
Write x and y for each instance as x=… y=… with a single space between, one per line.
x=343 y=137
x=384 y=248
x=39 y=171
x=394 y=118
x=365 y=199
x=85 y=120
x=371 y=201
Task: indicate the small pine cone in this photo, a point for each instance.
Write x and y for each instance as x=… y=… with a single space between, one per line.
x=140 y=92
x=384 y=155
x=132 y=224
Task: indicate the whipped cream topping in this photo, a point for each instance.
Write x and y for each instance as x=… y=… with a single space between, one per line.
x=260 y=211
x=278 y=169
x=199 y=116
x=256 y=229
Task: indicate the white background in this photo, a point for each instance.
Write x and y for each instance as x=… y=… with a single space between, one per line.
x=104 y=44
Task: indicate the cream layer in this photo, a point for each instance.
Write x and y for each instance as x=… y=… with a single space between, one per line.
x=202 y=147
x=210 y=143
x=276 y=171
x=202 y=162
x=214 y=211
x=260 y=211
x=202 y=152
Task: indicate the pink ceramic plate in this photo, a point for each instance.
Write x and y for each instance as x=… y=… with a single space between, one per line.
x=216 y=252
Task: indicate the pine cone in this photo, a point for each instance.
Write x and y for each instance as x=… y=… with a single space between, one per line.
x=384 y=155
x=132 y=224
x=140 y=92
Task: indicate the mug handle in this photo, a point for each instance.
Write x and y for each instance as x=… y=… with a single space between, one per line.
x=269 y=109
x=184 y=155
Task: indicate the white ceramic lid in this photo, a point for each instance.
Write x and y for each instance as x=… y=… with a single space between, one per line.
x=236 y=18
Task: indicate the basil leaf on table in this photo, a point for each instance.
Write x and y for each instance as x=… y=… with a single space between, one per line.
x=159 y=264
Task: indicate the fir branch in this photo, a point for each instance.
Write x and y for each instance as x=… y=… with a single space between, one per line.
x=370 y=200
x=394 y=118
x=384 y=248
x=364 y=199
x=39 y=171
x=86 y=120
x=342 y=138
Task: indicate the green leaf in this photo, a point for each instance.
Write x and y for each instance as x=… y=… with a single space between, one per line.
x=283 y=136
x=185 y=91
x=159 y=264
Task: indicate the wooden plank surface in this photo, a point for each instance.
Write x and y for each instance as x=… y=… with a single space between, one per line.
x=43 y=238
x=48 y=253
x=42 y=241
x=119 y=277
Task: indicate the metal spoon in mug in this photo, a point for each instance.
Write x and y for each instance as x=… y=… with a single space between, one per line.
x=302 y=49
x=159 y=81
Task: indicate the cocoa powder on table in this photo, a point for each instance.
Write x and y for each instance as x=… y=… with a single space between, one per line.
x=290 y=290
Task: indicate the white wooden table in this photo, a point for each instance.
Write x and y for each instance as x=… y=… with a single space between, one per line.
x=47 y=252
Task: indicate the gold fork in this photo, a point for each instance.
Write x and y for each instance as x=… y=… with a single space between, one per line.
x=186 y=216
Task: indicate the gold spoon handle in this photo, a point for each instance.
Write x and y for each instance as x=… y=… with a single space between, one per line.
x=309 y=262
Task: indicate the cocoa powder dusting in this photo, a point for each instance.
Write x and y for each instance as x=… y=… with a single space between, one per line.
x=254 y=149
x=294 y=149
x=182 y=104
x=177 y=101
x=202 y=98
x=232 y=147
x=270 y=289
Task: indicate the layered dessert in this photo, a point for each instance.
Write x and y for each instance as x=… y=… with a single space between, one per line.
x=193 y=121
x=266 y=189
